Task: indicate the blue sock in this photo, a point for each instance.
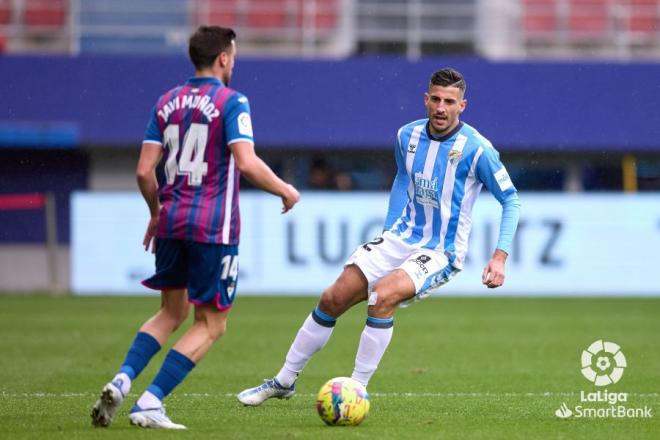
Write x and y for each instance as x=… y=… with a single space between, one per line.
x=144 y=347
x=176 y=367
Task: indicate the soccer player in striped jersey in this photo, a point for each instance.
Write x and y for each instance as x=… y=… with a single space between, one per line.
x=203 y=132
x=442 y=165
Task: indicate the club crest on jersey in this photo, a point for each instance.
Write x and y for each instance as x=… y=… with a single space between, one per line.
x=426 y=190
x=412 y=148
x=455 y=155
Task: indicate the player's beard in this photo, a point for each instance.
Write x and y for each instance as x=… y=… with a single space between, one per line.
x=226 y=78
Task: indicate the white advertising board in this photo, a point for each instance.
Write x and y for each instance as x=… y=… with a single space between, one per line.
x=567 y=244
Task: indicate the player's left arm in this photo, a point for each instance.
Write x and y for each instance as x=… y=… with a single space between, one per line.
x=240 y=139
x=494 y=176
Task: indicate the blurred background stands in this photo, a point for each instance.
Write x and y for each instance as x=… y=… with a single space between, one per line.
x=497 y=29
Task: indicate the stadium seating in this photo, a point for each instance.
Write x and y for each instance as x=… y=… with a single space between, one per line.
x=609 y=28
x=270 y=13
x=540 y=19
x=573 y=20
x=111 y=26
x=258 y=16
x=35 y=25
x=588 y=20
x=5 y=12
x=218 y=12
x=47 y=13
x=644 y=19
x=326 y=14
x=35 y=13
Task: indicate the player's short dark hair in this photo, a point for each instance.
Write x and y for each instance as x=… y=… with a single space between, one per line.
x=448 y=77
x=207 y=42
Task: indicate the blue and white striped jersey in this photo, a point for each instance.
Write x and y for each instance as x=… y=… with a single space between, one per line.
x=438 y=181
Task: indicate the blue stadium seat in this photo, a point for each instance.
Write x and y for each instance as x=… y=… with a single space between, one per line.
x=129 y=44
x=151 y=26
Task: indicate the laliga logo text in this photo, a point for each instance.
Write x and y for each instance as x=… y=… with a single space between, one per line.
x=603 y=364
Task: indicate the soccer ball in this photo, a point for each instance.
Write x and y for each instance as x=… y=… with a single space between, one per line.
x=342 y=401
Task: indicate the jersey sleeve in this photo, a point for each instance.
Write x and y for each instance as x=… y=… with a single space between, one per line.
x=492 y=173
x=237 y=120
x=153 y=134
x=399 y=193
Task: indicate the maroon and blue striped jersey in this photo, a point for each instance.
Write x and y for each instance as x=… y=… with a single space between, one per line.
x=195 y=123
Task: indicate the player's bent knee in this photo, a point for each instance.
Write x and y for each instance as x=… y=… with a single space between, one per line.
x=219 y=330
x=173 y=318
x=333 y=302
x=214 y=333
x=216 y=325
x=179 y=317
x=328 y=303
x=175 y=311
x=382 y=305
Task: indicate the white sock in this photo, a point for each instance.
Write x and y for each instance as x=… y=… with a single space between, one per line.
x=149 y=401
x=373 y=343
x=311 y=337
x=123 y=382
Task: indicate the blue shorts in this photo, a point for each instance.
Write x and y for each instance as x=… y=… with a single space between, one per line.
x=209 y=271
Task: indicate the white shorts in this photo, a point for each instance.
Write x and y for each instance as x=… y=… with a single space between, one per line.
x=426 y=268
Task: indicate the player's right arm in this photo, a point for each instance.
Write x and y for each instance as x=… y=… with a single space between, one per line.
x=260 y=175
x=146 y=178
x=150 y=154
x=399 y=193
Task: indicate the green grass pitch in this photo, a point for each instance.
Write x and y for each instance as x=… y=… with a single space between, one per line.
x=456 y=368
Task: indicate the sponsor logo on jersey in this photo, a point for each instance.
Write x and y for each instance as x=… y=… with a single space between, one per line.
x=503 y=179
x=421 y=262
x=426 y=191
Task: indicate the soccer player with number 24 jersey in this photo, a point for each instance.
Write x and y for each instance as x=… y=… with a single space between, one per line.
x=203 y=132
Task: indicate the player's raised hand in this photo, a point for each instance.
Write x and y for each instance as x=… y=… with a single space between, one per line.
x=493 y=275
x=149 y=241
x=289 y=198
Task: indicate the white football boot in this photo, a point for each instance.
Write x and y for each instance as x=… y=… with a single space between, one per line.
x=267 y=390
x=152 y=418
x=106 y=407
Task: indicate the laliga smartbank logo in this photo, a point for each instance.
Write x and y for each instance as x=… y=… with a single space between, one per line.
x=603 y=363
